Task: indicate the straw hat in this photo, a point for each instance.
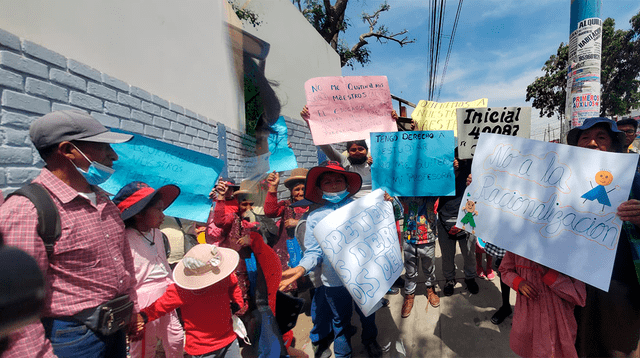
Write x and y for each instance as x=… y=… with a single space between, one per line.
x=204 y=265
x=135 y=196
x=298 y=175
x=354 y=180
x=247 y=187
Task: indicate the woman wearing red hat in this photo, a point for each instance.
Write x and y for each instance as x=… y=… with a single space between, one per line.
x=332 y=186
x=141 y=210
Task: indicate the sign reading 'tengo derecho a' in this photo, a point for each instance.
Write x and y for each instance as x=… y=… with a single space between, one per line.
x=361 y=242
x=413 y=163
x=513 y=121
x=551 y=203
x=348 y=108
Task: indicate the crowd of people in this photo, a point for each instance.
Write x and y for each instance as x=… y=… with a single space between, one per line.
x=116 y=284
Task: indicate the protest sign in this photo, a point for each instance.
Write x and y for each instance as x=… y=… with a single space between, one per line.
x=282 y=157
x=551 y=203
x=513 y=121
x=434 y=116
x=413 y=163
x=348 y=108
x=361 y=242
x=158 y=163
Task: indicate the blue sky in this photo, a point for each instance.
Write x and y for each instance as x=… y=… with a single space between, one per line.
x=499 y=49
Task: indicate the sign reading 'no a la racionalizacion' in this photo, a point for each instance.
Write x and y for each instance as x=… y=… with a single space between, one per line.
x=551 y=203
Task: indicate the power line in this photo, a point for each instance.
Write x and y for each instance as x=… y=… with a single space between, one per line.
x=452 y=38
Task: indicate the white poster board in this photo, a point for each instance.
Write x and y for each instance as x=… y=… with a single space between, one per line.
x=551 y=203
x=361 y=242
x=513 y=121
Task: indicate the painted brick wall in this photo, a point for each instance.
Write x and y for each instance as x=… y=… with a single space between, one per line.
x=35 y=81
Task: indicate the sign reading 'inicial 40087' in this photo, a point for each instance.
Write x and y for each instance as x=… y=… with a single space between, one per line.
x=512 y=121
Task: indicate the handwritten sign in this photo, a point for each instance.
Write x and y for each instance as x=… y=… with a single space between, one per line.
x=551 y=203
x=361 y=242
x=348 y=108
x=434 y=116
x=513 y=121
x=282 y=157
x=413 y=163
x=158 y=163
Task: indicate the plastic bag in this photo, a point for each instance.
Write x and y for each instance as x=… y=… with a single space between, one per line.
x=240 y=329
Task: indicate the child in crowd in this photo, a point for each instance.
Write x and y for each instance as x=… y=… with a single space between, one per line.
x=142 y=209
x=419 y=243
x=206 y=290
x=543 y=321
x=480 y=271
x=332 y=186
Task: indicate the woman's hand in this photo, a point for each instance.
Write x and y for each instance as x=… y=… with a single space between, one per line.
x=630 y=211
x=305 y=114
x=290 y=276
x=273 y=180
x=469 y=180
x=290 y=223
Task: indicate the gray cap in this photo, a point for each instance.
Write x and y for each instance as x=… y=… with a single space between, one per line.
x=68 y=125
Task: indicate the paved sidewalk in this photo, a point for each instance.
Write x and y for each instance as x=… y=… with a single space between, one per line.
x=460 y=327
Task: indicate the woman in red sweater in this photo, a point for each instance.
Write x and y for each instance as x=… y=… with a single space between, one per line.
x=288 y=215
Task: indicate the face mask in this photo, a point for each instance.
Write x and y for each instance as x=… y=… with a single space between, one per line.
x=97 y=173
x=335 y=197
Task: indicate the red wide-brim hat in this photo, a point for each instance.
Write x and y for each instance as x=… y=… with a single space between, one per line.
x=135 y=196
x=354 y=180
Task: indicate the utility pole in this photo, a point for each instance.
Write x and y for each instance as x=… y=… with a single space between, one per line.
x=585 y=47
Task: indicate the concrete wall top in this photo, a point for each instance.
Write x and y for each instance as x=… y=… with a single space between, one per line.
x=297 y=52
x=134 y=41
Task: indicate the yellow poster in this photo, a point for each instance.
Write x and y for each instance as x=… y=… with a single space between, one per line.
x=434 y=116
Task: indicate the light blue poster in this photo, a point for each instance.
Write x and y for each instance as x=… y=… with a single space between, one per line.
x=413 y=163
x=282 y=157
x=158 y=163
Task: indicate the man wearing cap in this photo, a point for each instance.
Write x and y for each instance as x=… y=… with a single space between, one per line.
x=91 y=263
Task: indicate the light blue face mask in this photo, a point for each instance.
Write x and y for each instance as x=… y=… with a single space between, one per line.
x=335 y=197
x=97 y=173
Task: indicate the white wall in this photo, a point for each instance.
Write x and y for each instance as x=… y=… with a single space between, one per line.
x=177 y=50
x=297 y=52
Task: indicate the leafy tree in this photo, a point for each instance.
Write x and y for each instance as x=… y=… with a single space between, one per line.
x=329 y=20
x=620 y=70
x=245 y=14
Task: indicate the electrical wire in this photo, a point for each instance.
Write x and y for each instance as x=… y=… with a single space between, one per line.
x=452 y=38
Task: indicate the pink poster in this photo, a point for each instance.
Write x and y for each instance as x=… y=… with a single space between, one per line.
x=348 y=108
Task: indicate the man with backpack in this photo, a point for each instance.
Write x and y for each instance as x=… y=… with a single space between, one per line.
x=78 y=242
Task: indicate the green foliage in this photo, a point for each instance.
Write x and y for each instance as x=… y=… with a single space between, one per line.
x=246 y=15
x=549 y=91
x=329 y=20
x=620 y=70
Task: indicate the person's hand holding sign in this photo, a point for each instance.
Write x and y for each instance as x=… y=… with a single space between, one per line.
x=273 y=180
x=630 y=211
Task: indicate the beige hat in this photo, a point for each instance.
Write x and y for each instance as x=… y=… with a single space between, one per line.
x=297 y=175
x=204 y=265
x=247 y=187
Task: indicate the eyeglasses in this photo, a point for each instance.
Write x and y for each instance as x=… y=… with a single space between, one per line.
x=629 y=132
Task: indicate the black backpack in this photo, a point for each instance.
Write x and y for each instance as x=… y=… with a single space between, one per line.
x=49 y=226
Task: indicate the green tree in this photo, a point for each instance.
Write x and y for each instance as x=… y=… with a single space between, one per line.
x=329 y=20
x=620 y=70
